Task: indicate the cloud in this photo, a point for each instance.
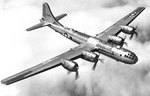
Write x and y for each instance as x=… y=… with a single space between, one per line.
x=21 y=49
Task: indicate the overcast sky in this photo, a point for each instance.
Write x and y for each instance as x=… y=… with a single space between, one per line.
x=20 y=50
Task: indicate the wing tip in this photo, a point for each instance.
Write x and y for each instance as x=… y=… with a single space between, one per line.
x=7 y=81
x=65 y=14
x=28 y=29
x=4 y=82
x=142 y=7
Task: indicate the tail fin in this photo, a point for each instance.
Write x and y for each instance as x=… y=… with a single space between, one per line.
x=48 y=16
x=47 y=19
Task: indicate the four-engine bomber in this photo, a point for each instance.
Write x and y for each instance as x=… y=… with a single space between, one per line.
x=90 y=48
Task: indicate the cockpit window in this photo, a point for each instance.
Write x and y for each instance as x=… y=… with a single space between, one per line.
x=130 y=56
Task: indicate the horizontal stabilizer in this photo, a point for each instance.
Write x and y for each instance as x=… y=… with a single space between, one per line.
x=60 y=17
x=39 y=25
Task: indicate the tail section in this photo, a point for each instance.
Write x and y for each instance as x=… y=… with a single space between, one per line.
x=47 y=19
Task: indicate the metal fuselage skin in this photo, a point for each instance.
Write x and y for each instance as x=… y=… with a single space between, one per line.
x=102 y=47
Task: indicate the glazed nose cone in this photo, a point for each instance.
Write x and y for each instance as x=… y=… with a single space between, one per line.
x=135 y=59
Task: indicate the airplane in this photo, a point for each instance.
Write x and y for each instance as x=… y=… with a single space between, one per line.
x=90 y=47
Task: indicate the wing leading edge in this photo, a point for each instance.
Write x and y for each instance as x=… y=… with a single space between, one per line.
x=49 y=64
x=115 y=28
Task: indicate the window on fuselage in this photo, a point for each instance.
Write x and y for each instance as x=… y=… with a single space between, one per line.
x=129 y=56
x=126 y=56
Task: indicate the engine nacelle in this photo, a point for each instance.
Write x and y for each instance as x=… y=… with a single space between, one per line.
x=70 y=65
x=90 y=56
x=115 y=39
x=128 y=29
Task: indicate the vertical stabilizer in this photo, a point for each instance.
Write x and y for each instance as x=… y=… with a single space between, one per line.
x=48 y=16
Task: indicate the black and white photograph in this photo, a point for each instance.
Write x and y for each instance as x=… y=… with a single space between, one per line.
x=75 y=48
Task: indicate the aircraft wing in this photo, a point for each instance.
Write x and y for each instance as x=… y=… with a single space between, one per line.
x=115 y=28
x=49 y=64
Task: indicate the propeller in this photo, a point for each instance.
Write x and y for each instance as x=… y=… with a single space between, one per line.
x=95 y=64
x=96 y=61
x=76 y=75
x=134 y=32
x=125 y=43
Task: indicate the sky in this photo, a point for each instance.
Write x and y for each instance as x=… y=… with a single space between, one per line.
x=20 y=49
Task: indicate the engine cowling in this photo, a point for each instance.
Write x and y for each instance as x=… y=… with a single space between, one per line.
x=90 y=56
x=119 y=41
x=70 y=65
x=115 y=39
x=128 y=29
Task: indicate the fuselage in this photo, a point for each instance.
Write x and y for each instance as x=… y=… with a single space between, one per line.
x=102 y=47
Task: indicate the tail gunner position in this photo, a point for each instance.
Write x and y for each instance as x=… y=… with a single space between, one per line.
x=107 y=43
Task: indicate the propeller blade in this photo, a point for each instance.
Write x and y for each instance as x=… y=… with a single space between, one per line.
x=95 y=64
x=126 y=44
x=136 y=34
x=124 y=41
x=131 y=36
x=77 y=75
